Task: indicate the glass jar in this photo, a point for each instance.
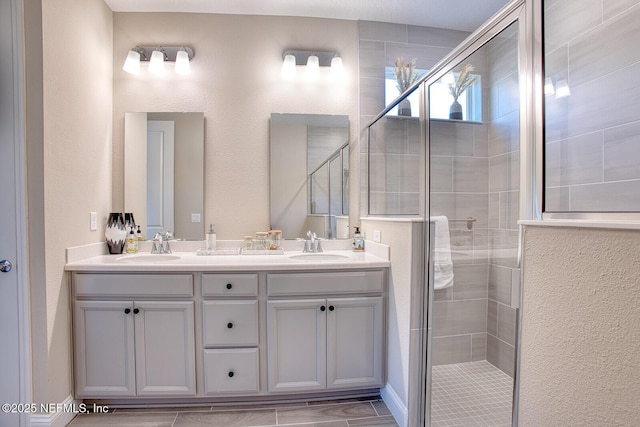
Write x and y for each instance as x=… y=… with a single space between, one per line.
x=247 y=245
x=262 y=241
x=275 y=239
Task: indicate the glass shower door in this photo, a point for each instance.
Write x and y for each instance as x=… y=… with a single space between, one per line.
x=474 y=200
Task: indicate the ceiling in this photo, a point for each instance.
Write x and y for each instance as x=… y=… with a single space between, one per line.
x=465 y=15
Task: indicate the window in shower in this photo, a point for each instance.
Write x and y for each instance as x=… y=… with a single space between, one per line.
x=592 y=114
x=441 y=98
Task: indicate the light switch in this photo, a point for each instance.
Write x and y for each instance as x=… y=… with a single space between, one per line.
x=377 y=236
x=195 y=217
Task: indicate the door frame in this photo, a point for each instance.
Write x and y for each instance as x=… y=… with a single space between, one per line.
x=19 y=195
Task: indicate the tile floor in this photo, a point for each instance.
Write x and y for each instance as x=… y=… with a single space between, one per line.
x=343 y=413
x=470 y=394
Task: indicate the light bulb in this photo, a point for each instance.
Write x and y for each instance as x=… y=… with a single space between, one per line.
x=132 y=63
x=156 y=64
x=182 y=62
x=336 y=66
x=313 y=66
x=289 y=66
x=562 y=90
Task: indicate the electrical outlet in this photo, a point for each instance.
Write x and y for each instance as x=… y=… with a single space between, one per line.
x=377 y=236
x=195 y=217
x=93 y=221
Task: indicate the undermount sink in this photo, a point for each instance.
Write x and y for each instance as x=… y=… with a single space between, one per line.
x=134 y=259
x=319 y=257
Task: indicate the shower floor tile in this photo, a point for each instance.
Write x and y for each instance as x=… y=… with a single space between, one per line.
x=470 y=394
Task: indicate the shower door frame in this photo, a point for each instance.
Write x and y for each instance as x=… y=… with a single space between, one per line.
x=527 y=14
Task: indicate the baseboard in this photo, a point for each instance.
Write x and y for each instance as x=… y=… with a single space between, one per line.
x=60 y=415
x=395 y=405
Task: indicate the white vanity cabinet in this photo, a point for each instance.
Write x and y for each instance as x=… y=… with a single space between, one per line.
x=318 y=339
x=230 y=334
x=134 y=335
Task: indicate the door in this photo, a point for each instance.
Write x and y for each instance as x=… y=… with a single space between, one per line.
x=11 y=389
x=165 y=348
x=160 y=169
x=296 y=343
x=104 y=348
x=354 y=342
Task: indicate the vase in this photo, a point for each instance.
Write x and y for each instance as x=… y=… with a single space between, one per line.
x=115 y=233
x=404 y=108
x=455 y=111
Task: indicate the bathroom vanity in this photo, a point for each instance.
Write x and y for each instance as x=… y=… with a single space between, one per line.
x=228 y=328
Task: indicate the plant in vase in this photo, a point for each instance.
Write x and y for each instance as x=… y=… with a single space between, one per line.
x=405 y=77
x=465 y=79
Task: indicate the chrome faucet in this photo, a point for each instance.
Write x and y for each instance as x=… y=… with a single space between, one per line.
x=161 y=243
x=313 y=244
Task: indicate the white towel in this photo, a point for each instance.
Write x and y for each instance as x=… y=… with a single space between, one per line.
x=443 y=266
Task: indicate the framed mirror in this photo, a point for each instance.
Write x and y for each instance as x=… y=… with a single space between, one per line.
x=164 y=173
x=309 y=172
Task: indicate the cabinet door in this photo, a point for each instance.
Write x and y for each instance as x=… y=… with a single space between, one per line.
x=355 y=337
x=165 y=348
x=104 y=348
x=296 y=343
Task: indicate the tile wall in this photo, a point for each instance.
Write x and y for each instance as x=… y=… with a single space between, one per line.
x=593 y=135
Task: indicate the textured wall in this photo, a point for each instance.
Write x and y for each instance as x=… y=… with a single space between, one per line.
x=235 y=80
x=77 y=69
x=580 y=327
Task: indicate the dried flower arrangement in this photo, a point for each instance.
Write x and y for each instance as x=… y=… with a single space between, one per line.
x=405 y=73
x=464 y=81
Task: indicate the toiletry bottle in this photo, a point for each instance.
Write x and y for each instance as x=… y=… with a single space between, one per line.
x=139 y=236
x=211 y=239
x=357 y=244
x=131 y=241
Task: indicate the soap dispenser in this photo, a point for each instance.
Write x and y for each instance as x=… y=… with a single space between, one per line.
x=357 y=244
x=211 y=239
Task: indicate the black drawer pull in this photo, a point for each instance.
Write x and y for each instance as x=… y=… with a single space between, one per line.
x=331 y=308
x=229 y=325
x=136 y=310
x=231 y=374
x=127 y=310
x=229 y=286
x=323 y=308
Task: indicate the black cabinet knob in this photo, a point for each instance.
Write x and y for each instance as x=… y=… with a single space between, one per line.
x=229 y=286
x=323 y=308
x=229 y=325
x=331 y=308
x=231 y=374
x=136 y=310
x=127 y=310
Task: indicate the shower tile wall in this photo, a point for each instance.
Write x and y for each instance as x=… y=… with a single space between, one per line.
x=380 y=45
x=592 y=136
x=504 y=194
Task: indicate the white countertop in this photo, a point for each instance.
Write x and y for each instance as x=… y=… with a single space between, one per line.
x=189 y=261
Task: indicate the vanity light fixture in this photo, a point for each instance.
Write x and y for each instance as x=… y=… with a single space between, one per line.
x=548 y=86
x=157 y=56
x=313 y=59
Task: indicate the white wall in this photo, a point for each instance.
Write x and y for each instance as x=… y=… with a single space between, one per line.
x=235 y=80
x=580 y=327
x=77 y=96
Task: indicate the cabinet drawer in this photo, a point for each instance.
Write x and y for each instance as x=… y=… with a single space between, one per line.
x=231 y=371
x=217 y=285
x=230 y=323
x=325 y=283
x=133 y=285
